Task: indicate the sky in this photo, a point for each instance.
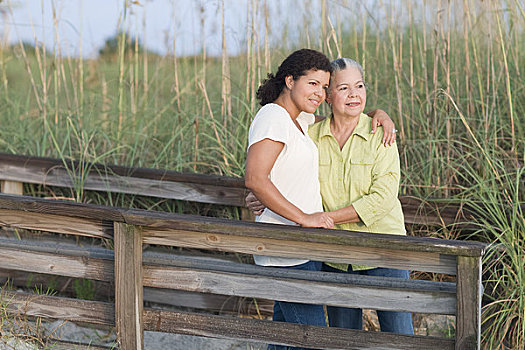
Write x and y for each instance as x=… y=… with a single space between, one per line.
x=84 y=25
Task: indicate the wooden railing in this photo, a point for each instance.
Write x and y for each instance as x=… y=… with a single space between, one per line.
x=131 y=269
x=16 y=169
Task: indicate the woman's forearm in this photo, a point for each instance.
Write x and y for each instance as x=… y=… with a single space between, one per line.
x=269 y=195
x=344 y=215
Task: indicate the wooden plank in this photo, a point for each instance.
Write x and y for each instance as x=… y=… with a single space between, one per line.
x=75 y=310
x=287 y=334
x=382 y=257
x=65 y=248
x=128 y=287
x=61 y=207
x=102 y=313
x=158 y=260
x=57 y=344
x=238 y=279
x=432 y=212
x=179 y=298
x=180 y=222
x=221 y=265
x=44 y=164
x=148 y=182
x=56 y=264
x=247 y=215
x=12 y=187
x=210 y=302
x=55 y=223
x=195 y=187
x=212 y=226
x=469 y=293
x=301 y=291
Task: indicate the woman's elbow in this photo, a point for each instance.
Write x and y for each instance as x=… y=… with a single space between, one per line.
x=248 y=183
x=251 y=182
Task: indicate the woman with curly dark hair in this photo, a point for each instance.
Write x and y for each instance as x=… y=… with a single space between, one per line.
x=282 y=163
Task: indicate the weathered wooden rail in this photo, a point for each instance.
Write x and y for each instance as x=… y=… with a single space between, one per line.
x=132 y=270
x=16 y=170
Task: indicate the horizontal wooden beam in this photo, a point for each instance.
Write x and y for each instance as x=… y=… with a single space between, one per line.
x=250 y=243
x=69 y=309
x=57 y=344
x=179 y=222
x=287 y=334
x=110 y=178
x=301 y=291
x=212 y=263
x=369 y=256
x=61 y=208
x=223 y=304
x=242 y=281
x=56 y=264
x=215 y=225
x=46 y=222
x=420 y=211
x=183 y=186
x=263 y=331
x=164 y=223
x=221 y=265
x=44 y=163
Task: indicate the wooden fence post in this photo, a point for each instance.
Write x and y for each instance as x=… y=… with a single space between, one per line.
x=468 y=314
x=247 y=215
x=12 y=187
x=128 y=286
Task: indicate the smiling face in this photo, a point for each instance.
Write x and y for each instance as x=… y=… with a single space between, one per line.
x=308 y=91
x=347 y=93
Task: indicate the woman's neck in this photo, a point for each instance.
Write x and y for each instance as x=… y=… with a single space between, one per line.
x=342 y=128
x=286 y=102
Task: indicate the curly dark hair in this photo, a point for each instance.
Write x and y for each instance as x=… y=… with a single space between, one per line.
x=295 y=65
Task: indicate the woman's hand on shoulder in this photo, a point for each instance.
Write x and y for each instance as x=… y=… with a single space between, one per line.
x=319 y=219
x=380 y=117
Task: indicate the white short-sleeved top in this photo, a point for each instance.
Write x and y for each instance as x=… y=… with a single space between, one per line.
x=296 y=169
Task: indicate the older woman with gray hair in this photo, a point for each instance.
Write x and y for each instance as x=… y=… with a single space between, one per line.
x=359 y=179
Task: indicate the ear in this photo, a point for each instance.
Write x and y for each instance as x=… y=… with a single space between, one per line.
x=288 y=80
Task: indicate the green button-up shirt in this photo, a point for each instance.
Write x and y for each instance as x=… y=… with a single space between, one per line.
x=364 y=173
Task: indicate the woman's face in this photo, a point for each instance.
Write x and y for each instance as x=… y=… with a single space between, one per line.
x=347 y=92
x=308 y=91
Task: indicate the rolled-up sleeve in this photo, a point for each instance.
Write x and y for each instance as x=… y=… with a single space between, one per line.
x=382 y=196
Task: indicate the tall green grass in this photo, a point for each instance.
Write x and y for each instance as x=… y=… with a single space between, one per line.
x=450 y=73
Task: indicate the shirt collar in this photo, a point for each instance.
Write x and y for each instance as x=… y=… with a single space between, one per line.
x=307 y=118
x=363 y=127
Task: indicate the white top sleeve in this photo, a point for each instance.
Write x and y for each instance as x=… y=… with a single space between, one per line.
x=268 y=124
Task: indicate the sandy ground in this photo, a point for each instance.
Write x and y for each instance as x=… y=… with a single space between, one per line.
x=436 y=325
x=152 y=340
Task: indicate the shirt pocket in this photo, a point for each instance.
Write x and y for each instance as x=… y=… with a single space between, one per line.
x=360 y=173
x=325 y=167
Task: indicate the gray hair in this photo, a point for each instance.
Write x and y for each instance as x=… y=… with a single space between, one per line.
x=344 y=63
